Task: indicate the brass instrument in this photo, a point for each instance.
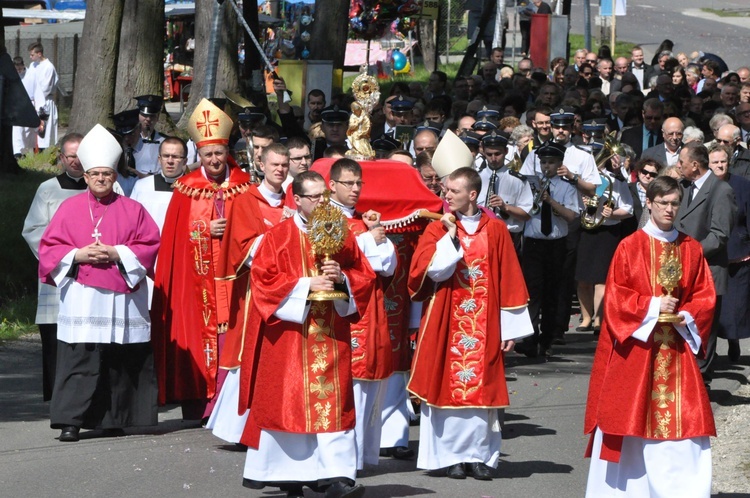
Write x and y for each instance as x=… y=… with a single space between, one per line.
x=539 y=193
x=514 y=166
x=591 y=215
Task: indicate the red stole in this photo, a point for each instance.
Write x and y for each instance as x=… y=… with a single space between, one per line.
x=459 y=360
x=371 y=341
x=652 y=390
x=189 y=305
x=297 y=377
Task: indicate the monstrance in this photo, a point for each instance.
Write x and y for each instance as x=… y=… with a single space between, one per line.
x=669 y=276
x=326 y=230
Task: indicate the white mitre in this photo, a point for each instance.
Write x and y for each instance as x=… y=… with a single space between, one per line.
x=99 y=149
x=451 y=154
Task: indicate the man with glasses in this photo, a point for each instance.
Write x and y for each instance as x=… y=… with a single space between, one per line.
x=707 y=214
x=646 y=405
x=371 y=343
x=298 y=356
x=300 y=158
x=47 y=200
x=646 y=171
x=649 y=134
x=728 y=135
x=742 y=113
x=97 y=249
x=429 y=175
x=667 y=152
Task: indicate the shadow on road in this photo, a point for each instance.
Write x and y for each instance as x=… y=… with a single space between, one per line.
x=514 y=470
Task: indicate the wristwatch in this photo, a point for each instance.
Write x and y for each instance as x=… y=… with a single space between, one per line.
x=574 y=180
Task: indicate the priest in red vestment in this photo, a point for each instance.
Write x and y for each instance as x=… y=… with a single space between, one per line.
x=190 y=308
x=296 y=374
x=465 y=267
x=98 y=249
x=241 y=241
x=648 y=412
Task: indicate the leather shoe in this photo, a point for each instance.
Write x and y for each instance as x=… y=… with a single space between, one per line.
x=398 y=452
x=252 y=484
x=343 y=490
x=734 y=350
x=295 y=492
x=456 y=471
x=69 y=434
x=479 y=471
x=527 y=348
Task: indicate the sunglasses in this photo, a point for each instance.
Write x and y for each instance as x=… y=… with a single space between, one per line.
x=652 y=174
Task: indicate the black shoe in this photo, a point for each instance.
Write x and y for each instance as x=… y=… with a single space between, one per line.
x=479 y=471
x=69 y=434
x=527 y=348
x=295 y=492
x=734 y=350
x=252 y=484
x=398 y=452
x=343 y=490
x=456 y=471
x=559 y=341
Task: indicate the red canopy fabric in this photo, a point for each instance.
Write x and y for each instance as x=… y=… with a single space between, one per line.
x=392 y=188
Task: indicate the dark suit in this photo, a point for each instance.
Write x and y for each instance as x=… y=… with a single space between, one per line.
x=657 y=153
x=740 y=163
x=709 y=219
x=648 y=72
x=630 y=224
x=633 y=136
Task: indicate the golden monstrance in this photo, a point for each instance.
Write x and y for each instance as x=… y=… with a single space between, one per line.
x=668 y=277
x=326 y=230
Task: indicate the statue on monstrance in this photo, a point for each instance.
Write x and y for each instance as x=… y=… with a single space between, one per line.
x=367 y=93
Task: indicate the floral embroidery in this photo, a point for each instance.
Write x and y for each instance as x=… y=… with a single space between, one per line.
x=355 y=343
x=468 y=305
x=320 y=364
x=467 y=241
x=468 y=342
x=324 y=412
x=662 y=427
x=466 y=374
x=472 y=273
x=390 y=304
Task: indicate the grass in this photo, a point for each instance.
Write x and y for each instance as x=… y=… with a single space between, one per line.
x=622 y=49
x=728 y=12
x=18 y=281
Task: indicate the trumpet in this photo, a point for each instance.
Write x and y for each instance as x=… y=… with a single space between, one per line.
x=539 y=194
x=514 y=166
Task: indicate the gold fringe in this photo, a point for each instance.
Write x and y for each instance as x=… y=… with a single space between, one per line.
x=208 y=193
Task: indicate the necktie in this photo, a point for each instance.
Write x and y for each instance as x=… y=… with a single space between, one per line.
x=651 y=139
x=130 y=161
x=690 y=191
x=546 y=218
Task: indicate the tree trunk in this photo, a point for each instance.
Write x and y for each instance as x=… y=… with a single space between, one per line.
x=140 y=69
x=329 y=31
x=94 y=91
x=227 y=71
x=427 y=43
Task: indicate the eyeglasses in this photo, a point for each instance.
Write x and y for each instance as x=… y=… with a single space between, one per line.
x=313 y=197
x=71 y=157
x=103 y=174
x=719 y=140
x=652 y=174
x=664 y=204
x=586 y=73
x=673 y=134
x=172 y=156
x=350 y=185
x=299 y=158
x=431 y=179
x=652 y=118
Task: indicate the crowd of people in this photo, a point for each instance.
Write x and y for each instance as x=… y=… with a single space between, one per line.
x=178 y=272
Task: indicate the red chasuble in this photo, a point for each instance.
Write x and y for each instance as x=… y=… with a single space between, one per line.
x=459 y=361
x=252 y=215
x=651 y=390
x=189 y=306
x=297 y=377
x=398 y=303
x=371 y=340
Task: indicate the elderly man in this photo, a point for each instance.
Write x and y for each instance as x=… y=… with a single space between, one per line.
x=190 y=308
x=47 y=200
x=105 y=376
x=667 y=153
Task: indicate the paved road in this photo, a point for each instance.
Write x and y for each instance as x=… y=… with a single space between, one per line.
x=648 y=22
x=542 y=448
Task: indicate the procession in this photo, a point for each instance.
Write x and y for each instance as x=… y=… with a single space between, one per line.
x=378 y=281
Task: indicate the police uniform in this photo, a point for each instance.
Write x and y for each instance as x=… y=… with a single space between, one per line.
x=331 y=114
x=146 y=150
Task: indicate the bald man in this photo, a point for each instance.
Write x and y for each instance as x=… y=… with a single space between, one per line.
x=668 y=152
x=730 y=136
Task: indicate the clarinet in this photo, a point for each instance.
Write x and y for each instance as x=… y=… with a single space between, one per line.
x=492 y=190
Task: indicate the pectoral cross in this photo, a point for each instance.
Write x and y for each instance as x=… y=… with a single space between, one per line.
x=97 y=234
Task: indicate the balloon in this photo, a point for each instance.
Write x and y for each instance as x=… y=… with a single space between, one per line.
x=405 y=70
x=305 y=53
x=399 y=60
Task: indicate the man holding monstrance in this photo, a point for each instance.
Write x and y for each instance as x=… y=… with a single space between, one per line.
x=648 y=412
x=308 y=281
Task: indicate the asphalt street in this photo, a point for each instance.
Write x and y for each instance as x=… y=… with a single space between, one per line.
x=649 y=22
x=542 y=452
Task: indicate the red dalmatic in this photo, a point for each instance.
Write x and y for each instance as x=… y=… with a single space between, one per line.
x=653 y=389
x=459 y=361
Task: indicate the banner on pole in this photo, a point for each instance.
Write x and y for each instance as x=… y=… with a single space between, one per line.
x=605 y=8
